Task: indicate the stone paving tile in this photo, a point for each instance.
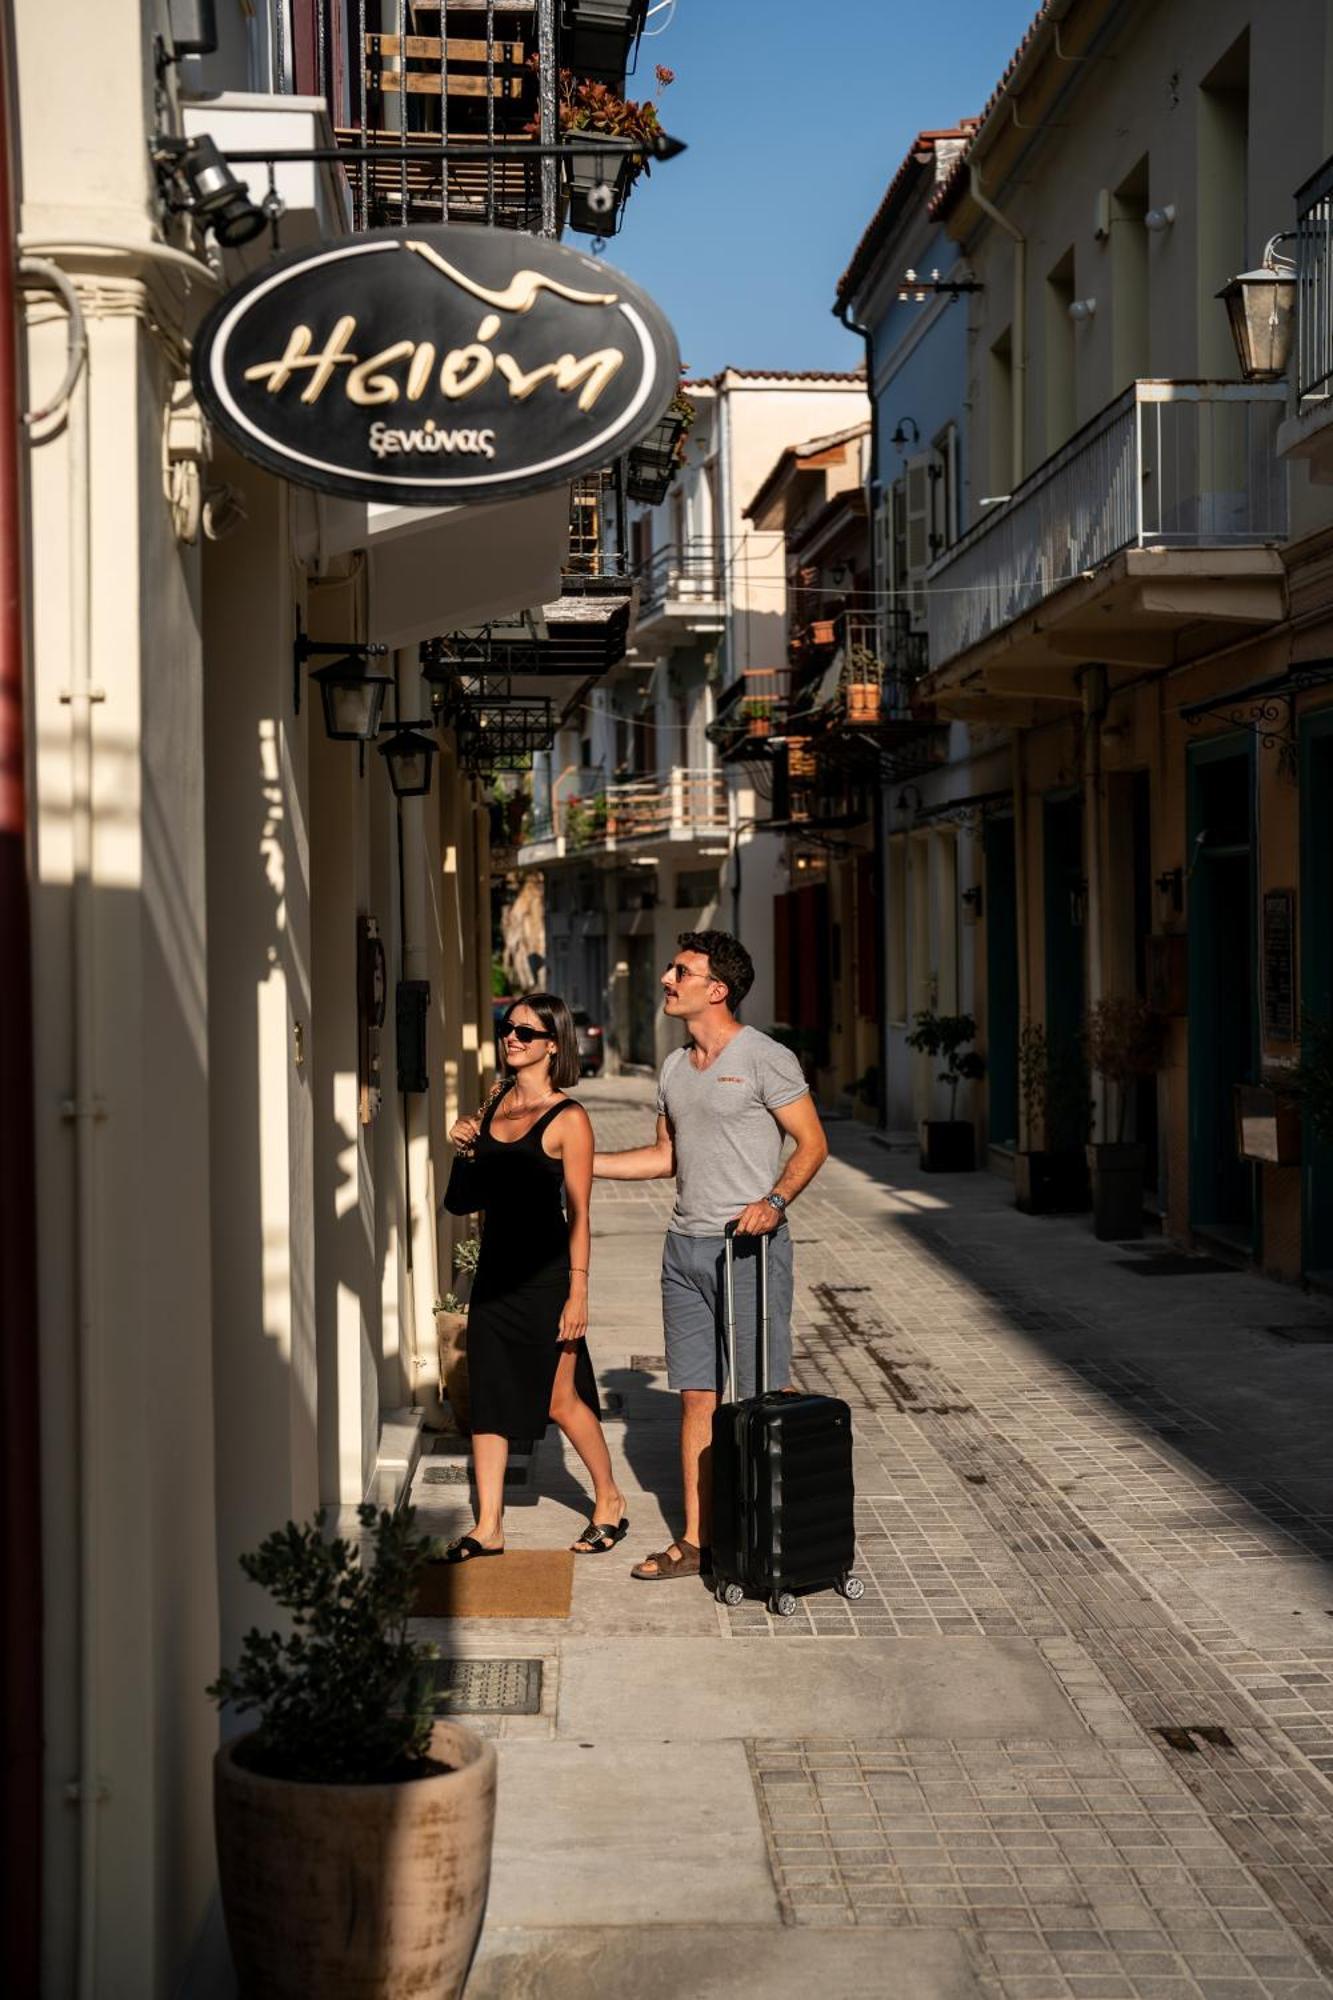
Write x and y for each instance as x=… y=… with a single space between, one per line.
x=1083 y=1869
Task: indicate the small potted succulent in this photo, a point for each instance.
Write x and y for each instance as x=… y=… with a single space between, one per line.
x=1051 y=1171
x=451 y=1338
x=1125 y=1038
x=949 y=1145
x=354 y=1831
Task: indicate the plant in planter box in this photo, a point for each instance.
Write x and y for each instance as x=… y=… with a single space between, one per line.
x=451 y=1338
x=1051 y=1172
x=948 y=1145
x=861 y=682
x=757 y=715
x=599 y=183
x=1125 y=1038
x=586 y=820
x=354 y=1831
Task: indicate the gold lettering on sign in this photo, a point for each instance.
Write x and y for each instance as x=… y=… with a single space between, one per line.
x=297 y=354
x=366 y=384
x=520 y=294
x=419 y=374
x=454 y=378
x=594 y=369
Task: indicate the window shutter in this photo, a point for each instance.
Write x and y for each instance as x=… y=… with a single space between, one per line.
x=923 y=475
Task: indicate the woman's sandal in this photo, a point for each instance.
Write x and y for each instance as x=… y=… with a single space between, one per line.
x=687 y=1561
x=467 y=1549
x=601 y=1536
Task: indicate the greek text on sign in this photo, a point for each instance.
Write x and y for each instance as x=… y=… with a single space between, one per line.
x=432 y=365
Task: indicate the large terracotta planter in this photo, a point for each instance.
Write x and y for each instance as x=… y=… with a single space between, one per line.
x=862 y=701
x=356 y=1892
x=451 y=1337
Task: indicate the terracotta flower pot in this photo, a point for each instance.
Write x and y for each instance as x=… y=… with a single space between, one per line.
x=356 y=1892
x=451 y=1334
x=862 y=701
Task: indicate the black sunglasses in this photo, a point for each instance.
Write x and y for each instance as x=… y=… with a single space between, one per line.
x=524 y=1035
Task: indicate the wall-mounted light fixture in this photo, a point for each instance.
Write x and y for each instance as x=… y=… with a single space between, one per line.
x=1158 y=220
x=352 y=694
x=1171 y=885
x=971 y=901
x=195 y=180
x=410 y=756
x=1261 y=305
x=900 y=439
x=1080 y=310
x=902 y=803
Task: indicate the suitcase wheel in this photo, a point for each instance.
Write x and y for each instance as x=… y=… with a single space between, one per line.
x=782 y=1604
x=852 y=1586
x=729 y=1593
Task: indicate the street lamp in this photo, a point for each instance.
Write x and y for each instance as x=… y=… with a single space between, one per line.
x=1261 y=306
x=409 y=756
x=353 y=699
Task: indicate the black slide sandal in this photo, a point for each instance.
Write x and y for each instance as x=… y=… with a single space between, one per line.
x=601 y=1537
x=468 y=1549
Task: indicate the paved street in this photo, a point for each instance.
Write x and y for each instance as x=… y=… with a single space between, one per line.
x=1077 y=1737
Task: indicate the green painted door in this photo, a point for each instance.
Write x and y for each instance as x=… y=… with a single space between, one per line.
x=1223 y=996
x=1001 y=890
x=1317 y=972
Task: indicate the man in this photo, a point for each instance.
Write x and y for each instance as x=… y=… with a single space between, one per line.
x=726 y=1102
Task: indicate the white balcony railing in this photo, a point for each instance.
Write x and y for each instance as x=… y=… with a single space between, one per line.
x=1184 y=465
x=678 y=573
x=675 y=805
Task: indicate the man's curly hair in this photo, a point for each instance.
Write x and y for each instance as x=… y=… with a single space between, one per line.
x=728 y=960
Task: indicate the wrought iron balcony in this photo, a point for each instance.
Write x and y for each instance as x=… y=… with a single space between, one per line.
x=1167 y=466
x=1314 y=285
x=751 y=710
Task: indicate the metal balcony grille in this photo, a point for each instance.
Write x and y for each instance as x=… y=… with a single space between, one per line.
x=1314 y=284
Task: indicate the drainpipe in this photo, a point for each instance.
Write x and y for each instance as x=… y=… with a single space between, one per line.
x=20 y=1505
x=1018 y=324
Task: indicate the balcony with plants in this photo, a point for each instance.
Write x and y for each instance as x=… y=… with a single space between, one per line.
x=1164 y=513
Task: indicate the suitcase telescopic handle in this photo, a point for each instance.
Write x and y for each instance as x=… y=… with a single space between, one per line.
x=729 y=1295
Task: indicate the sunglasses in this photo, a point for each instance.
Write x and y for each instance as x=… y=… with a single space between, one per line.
x=679 y=972
x=524 y=1035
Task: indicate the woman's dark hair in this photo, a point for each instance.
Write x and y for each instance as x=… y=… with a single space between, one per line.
x=555 y=1017
x=728 y=960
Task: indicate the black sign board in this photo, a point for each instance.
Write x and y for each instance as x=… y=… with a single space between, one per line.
x=433 y=365
x=1279 y=948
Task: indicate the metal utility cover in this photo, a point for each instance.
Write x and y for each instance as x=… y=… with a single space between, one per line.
x=488 y=1687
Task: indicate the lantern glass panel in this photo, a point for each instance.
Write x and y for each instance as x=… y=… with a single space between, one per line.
x=1260 y=307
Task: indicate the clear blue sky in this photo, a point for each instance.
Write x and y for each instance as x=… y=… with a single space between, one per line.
x=797 y=113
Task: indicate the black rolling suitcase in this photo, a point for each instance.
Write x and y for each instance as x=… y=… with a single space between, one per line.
x=782 y=1481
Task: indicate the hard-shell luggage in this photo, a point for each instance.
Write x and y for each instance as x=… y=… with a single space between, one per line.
x=782 y=1480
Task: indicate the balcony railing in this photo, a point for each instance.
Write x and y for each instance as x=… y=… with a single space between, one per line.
x=679 y=573
x=673 y=805
x=1314 y=284
x=403 y=78
x=1183 y=465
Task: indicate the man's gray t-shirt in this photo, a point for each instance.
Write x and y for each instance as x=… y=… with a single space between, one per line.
x=728 y=1144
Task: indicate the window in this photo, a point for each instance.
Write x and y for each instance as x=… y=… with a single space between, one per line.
x=1061 y=339
x=896 y=915
x=1000 y=402
x=944 y=511
x=1223 y=186
x=1129 y=278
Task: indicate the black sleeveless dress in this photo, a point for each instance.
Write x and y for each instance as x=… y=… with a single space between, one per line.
x=521 y=1285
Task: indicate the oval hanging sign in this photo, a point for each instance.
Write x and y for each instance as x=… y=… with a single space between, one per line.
x=434 y=365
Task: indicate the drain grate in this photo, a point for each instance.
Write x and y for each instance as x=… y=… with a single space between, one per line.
x=649 y=1364
x=487 y=1687
x=1175 y=1264
x=460 y=1474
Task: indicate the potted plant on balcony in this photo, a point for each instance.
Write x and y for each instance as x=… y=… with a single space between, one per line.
x=451 y=1338
x=861 y=682
x=586 y=820
x=353 y=1830
x=653 y=463
x=757 y=714
x=948 y=1145
x=599 y=183
x=1051 y=1177
x=1125 y=1039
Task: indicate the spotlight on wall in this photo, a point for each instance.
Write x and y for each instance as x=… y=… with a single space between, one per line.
x=1082 y=309
x=196 y=180
x=1160 y=219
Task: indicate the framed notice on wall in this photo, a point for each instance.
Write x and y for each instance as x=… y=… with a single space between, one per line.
x=1279 y=965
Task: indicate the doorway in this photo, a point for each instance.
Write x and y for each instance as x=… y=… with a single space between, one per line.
x=1317 y=975
x=1066 y=897
x=645 y=999
x=1146 y=1128
x=1001 y=889
x=1223 y=1011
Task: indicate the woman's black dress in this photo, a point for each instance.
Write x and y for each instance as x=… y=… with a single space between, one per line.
x=521 y=1285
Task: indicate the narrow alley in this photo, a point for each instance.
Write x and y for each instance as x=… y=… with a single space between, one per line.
x=1077 y=1737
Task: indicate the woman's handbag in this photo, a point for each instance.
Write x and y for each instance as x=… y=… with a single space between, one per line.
x=463 y=1194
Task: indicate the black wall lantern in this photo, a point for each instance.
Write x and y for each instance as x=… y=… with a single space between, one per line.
x=352 y=694
x=598 y=35
x=410 y=756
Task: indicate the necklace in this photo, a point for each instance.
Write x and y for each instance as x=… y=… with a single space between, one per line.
x=525 y=1110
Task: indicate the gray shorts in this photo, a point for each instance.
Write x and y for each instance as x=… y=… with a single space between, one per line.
x=693 y=1313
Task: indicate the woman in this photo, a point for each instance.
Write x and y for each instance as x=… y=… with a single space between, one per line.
x=527 y=1355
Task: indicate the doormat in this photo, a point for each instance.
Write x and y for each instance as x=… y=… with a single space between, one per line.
x=525 y=1583
x=1175 y=1264
x=487 y=1687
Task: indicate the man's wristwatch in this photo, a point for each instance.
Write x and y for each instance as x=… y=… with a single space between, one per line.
x=777 y=1201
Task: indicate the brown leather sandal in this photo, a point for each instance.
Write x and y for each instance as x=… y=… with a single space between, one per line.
x=685 y=1562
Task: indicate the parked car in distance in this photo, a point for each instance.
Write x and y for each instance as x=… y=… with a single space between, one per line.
x=592 y=1049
